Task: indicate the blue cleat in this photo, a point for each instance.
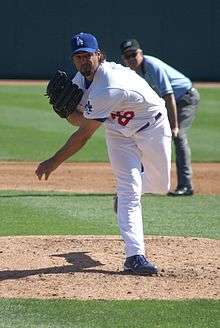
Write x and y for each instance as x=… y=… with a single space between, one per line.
x=139 y=265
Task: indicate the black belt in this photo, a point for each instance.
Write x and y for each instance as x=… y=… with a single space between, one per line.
x=148 y=123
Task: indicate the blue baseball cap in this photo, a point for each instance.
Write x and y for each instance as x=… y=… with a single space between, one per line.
x=84 y=42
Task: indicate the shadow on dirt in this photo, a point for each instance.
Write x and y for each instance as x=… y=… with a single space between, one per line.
x=80 y=262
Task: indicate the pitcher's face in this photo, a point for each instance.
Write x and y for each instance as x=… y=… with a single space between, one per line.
x=86 y=63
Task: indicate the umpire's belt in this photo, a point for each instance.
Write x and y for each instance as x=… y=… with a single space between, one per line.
x=148 y=123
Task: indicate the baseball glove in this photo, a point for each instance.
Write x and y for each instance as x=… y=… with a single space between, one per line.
x=64 y=96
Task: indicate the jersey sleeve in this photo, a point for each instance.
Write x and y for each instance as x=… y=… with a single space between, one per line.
x=160 y=79
x=102 y=103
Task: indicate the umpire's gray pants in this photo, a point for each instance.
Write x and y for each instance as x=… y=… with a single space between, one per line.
x=186 y=111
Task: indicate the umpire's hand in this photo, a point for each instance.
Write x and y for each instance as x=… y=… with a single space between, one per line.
x=175 y=132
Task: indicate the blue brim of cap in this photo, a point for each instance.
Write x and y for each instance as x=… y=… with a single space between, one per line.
x=84 y=50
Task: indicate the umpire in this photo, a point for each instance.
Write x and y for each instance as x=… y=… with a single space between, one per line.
x=180 y=97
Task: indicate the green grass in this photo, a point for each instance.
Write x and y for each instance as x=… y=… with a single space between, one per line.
x=29 y=129
x=36 y=213
x=109 y=314
x=204 y=136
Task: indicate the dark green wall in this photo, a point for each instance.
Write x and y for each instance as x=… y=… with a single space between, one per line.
x=35 y=35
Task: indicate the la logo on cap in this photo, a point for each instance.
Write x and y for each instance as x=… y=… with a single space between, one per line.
x=79 y=41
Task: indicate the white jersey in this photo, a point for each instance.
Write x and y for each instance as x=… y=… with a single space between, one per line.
x=120 y=98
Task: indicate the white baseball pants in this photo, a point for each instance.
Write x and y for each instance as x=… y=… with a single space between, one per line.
x=152 y=148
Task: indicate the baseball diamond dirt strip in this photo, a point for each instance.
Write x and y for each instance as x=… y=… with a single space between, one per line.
x=93 y=178
x=90 y=267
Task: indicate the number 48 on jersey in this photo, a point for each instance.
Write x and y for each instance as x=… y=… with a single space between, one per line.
x=123 y=117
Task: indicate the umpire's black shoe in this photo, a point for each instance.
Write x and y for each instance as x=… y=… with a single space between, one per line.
x=139 y=265
x=181 y=191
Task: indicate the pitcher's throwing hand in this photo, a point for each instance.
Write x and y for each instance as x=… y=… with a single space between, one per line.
x=45 y=168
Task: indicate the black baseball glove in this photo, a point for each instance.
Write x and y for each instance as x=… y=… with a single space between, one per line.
x=63 y=95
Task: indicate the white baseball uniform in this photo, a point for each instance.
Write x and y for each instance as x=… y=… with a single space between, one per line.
x=137 y=131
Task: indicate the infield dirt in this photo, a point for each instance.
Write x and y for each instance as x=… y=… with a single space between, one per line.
x=93 y=177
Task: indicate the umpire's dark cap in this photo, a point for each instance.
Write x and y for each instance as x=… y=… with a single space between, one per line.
x=83 y=42
x=130 y=44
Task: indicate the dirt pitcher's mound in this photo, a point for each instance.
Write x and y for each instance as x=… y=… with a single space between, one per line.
x=89 y=267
